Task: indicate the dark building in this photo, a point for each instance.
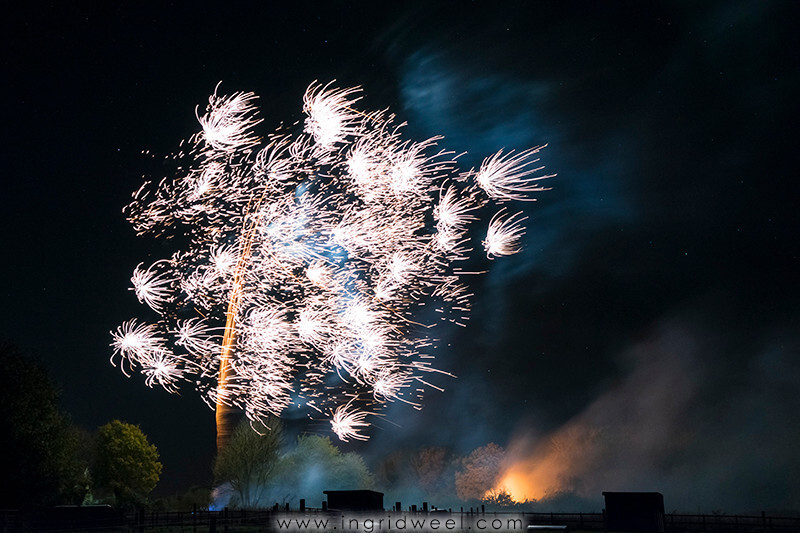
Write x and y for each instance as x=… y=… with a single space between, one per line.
x=354 y=500
x=634 y=511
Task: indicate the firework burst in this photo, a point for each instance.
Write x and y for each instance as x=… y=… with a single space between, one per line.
x=307 y=257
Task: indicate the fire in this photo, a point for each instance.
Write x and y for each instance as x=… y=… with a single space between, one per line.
x=519 y=486
x=533 y=475
x=526 y=480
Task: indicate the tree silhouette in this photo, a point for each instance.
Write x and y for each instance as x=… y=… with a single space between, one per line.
x=432 y=466
x=36 y=466
x=127 y=464
x=316 y=464
x=480 y=472
x=249 y=461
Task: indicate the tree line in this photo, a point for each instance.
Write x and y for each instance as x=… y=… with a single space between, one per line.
x=258 y=470
x=53 y=461
x=49 y=461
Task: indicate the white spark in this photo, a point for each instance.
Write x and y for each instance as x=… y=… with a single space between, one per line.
x=331 y=118
x=133 y=342
x=162 y=368
x=347 y=422
x=228 y=121
x=504 y=233
x=152 y=287
x=509 y=176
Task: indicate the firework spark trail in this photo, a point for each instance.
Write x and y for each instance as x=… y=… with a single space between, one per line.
x=504 y=233
x=347 y=422
x=509 y=176
x=307 y=259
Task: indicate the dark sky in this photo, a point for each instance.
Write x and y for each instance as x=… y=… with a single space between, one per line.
x=656 y=297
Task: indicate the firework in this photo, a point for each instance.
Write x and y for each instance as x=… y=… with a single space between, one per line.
x=504 y=233
x=347 y=422
x=308 y=259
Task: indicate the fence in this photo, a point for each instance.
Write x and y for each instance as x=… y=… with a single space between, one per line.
x=679 y=523
x=730 y=523
x=252 y=521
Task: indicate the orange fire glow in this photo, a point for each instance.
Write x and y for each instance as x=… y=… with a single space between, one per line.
x=534 y=474
x=526 y=480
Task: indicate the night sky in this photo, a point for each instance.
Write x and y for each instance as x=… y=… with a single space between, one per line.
x=655 y=300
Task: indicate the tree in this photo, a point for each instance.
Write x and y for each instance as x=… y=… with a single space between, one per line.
x=501 y=499
x=431 y=466
x=81 y=453
x=392 y=470
x=316 y=464
x=249 y=461
x=127 y=464
x=350 y=472
x=36 y=465
x=480 y=472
